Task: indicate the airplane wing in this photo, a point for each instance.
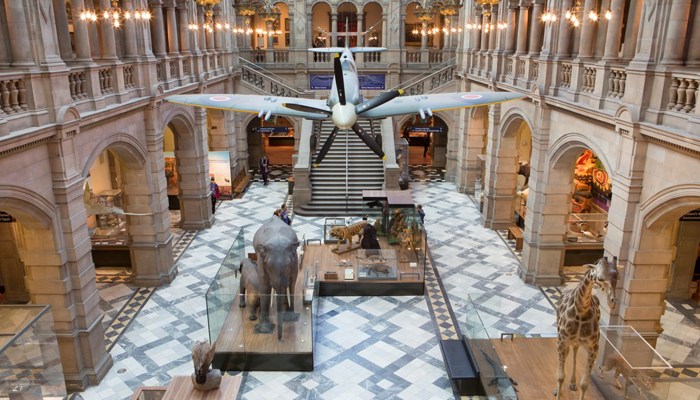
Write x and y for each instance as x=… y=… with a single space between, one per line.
x=257 y=104
x=426 y=103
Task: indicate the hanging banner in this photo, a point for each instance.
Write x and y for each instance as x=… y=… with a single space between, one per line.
x=367 y=81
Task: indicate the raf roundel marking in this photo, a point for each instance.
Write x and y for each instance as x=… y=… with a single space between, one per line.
x=219 y=98
x=471 y=96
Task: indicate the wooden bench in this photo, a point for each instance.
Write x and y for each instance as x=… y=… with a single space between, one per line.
x=461 y=367
x=516 y=233
x=240 y=183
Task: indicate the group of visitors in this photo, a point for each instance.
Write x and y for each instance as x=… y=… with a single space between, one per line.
x=283 y=214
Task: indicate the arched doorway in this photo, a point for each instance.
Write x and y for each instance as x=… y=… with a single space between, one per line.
x=427 y=138
x=320 y=26
x=274 y=138
x=372 y=25
x=347 y=25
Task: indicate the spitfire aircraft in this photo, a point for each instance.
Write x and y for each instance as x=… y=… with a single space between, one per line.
x=345 y=103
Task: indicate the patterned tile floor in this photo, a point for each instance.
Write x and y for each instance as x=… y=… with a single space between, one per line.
x=367 y=347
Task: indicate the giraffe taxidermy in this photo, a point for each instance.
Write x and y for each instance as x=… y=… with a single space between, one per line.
x=578 y=319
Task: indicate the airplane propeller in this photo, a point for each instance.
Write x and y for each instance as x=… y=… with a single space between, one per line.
x=344 y=116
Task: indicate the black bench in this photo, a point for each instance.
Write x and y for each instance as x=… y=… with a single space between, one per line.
x=461 y=367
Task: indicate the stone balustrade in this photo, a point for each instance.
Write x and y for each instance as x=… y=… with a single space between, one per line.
x=565 y=75
x=77 y=83
x=372 y=57
x=683 y=93
x=413 y=57
x=129 y=77
x=106 y=81
x=616 y=83
x=160 y=70
x=521 y=69
x=588 y=84
x=534 y=70
x=13 y=95
x=173 y=68
x=280 y=56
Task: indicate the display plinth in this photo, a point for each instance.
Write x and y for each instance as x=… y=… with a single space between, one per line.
x=240 y=344
x=403 y=279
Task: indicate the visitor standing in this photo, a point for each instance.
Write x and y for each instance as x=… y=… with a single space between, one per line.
x=215 y=193
x=264 y=168
x=285 y=215
x=421 y=213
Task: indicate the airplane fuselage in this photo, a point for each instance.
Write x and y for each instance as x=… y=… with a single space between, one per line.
x=344 y=116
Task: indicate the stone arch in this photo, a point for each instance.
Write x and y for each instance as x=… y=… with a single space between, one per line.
x=320 y=28
x=437 y=143
x=129 y=148
x=653 y=251
x=27 y=205
x=568 y=143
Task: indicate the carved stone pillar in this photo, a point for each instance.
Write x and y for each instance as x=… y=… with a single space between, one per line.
x=18 y=27
x=588 y=30
x=107 y=43
x=424 y=36
x=171 y=16
x=130 y=50
x=499 y=183
x=218 y=33
x=612 y=38
x=193 y=167
x=493 y=30
x=80 y=32
x=563 y=41
x=202 y=39
x=360 y=23
x=522 y=31
x=334 y=29
x=158 y=28
x=484 y=39
x=536 y=29
x=183 y=28
x=676 y=33
x=65 y=50
x=65 y=277
x=510 y=31
x=694 y=42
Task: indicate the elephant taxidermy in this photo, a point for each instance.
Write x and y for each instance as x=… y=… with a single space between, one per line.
x=276 y=246
x=250 y=290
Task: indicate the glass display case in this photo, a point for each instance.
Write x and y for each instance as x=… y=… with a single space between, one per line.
x=377 y=264
x=284 y=342
x=629 y=368
x=30 y=362
x=105 y=226
x=586 y=227
x=328 y=224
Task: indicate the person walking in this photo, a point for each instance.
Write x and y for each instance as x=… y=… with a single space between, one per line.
x=264 y=168
x=215 y=193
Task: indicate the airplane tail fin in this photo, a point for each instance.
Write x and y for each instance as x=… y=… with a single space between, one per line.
x=340 y=49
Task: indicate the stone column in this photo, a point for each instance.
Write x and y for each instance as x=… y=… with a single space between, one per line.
x=676 y=33
x=694 y=43
x=158 y=28
x=493 y=30
x=218 y=38
x=184 y=29
x=18 y=28
x=65 y=50
x=484 y=42
x=522 y=31
x=193 y=167
x=80 y=33
x=472 y=146
x=499 y=183
x=543 y=251
x=563 y=45
x=588 y=30
x=270 y=38
x=334 y=29
x=424 y=36
x=108 y=43
x=510 y=30
x=149 y=235
x=612 y=38
x=360 y=23
x=202 y=39
x=65 y=277
x=171 y=16
x=536 y=29
x=130 y=50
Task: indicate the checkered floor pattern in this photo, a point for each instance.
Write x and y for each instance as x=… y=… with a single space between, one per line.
x=126 y=315
x=367 y=347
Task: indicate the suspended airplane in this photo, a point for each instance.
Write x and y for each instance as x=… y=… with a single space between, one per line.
x=345 y=104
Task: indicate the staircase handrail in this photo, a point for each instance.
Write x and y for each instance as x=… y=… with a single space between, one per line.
x=440 y=68
x=275 y=78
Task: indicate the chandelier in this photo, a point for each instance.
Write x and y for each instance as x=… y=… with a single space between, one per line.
x=487 y=6
x=115 y=15
x=572 y=15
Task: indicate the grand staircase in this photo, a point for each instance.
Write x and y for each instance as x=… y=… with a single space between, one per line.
x=349 y=168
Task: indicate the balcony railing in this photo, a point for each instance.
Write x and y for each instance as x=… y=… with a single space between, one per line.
x=616 y=83
x=683 y=93
x=77 y=82
x=106 y=83
x=13 y=95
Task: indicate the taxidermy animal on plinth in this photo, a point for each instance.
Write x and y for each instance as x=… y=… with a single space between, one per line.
x=369 y=238
x=204 y=378
x=249 y=288
x=276 y=246
x=345 y=233
x=578 y=318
